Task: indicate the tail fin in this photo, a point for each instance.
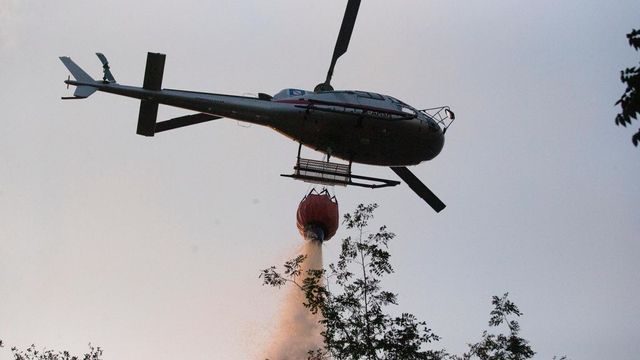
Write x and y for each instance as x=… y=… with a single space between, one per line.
x=84 y=88
x=75 y=70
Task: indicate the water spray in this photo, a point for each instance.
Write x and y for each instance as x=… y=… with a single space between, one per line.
x=298 y=330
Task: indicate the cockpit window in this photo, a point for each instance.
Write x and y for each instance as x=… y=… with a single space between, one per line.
x=407 y=110
x=287 y=93
x=369 y=95
x=296 y=92
x=402 y=106
x=396 y=101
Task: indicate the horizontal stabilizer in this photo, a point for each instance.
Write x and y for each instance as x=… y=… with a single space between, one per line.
x=147 y=118
x=419 y=188
x=154 y=71
x=152 y=81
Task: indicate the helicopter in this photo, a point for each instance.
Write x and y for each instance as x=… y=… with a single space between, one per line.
x=356 y=126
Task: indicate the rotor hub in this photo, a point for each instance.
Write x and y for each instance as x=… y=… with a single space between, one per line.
x=323 y=87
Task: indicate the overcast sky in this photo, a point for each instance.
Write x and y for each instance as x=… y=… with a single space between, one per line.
x=151 y=247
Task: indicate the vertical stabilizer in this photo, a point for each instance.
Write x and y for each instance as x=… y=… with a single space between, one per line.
x=85 y=89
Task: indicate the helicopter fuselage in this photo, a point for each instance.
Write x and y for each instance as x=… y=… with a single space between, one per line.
x=357 y=126
x=360 y=126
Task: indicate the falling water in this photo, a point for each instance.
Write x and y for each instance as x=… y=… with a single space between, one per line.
x=298 y=330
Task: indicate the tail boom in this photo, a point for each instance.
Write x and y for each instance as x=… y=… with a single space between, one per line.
x=208 y=106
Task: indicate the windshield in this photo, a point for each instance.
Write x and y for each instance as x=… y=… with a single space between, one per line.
x=369 y=95
x=405 y=108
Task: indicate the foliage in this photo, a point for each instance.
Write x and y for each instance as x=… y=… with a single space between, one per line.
x=501 y=347
x=354 y=317
x=630 y=100
x=31 y=353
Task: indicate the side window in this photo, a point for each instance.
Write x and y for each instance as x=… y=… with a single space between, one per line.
x=369 y=95
x=395 y=101
x=402 y=106
x=296 y=92
x=376 y=96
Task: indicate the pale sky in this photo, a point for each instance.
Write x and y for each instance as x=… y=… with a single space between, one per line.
x=151 y=247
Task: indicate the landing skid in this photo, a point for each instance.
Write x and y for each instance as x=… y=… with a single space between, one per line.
x=330 y=173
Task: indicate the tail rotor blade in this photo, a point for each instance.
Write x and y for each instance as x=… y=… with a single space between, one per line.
x=419 y=188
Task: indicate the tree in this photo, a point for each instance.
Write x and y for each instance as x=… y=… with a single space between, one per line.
x=500 y=346
x=356 y=324
x=630 y=101
x=32 y=353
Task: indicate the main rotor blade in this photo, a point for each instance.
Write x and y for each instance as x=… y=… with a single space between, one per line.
x=344 y=36
x=419 y=188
